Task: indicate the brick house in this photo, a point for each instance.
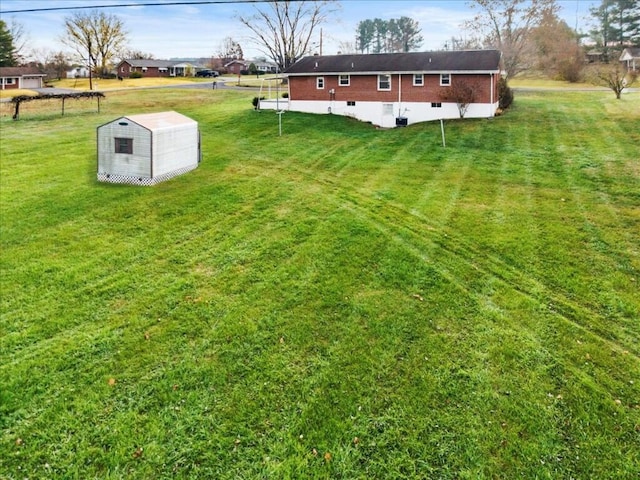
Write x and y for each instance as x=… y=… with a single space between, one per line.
x=394 y=88
x=156 y=68
x=236 y=66
x=20 y=77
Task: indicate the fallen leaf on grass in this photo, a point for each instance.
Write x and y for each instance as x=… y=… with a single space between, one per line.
x=147 y=335
x=314 y=452
x=415 y=295
x=138 y=452
x=19 y=441
x=112 y=382
x=327 y=457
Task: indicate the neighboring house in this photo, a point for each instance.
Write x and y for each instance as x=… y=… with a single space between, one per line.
x=147 y=148
x=631 y=58
x=21 y=77
x=78 y=72
x=263 y=66
x=156 y=68
x=393 y=89
x=236 y=66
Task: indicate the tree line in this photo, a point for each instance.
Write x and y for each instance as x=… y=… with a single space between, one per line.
x=388 y=36
x=528 y=32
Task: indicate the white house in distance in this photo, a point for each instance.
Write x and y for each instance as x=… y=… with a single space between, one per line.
x=148 y=148
x=631 y=58
x=392 y=89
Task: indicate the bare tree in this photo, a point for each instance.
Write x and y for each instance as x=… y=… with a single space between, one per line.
x=462 y=93
x=230 y=50
x=615 y=78
x=507 y=25
x=557 y=50
x=347 y=48
x=96 y=37
x=284 y=30
x=459 y=43
x=133 y=54
x=20 y=39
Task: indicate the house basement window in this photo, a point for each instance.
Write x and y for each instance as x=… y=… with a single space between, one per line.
x=384 y=82
x=351 y=103
x=320 y=83
x=436 y=104
x=344 y=80
x=124 y=145
x=445 y=79
x=418 y=80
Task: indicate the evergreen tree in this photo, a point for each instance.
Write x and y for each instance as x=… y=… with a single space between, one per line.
x=8 y=57
x=388 y=36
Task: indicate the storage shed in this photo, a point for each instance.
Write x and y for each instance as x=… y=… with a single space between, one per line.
x=147 y=149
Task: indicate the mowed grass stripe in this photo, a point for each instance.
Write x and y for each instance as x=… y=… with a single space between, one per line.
x=274 y=302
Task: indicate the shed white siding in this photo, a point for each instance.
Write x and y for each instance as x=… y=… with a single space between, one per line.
x=163 y=145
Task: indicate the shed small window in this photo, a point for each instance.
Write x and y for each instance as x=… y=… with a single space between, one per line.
x=124 y=145
x=384 y=82
x=344 y=80
x=418 y=80
x=320 y=83
x=445 y=79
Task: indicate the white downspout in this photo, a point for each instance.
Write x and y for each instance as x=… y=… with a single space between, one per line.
x=491 y=110
x=399 y=95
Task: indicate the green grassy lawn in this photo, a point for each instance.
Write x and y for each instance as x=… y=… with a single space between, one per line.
x=337 y=302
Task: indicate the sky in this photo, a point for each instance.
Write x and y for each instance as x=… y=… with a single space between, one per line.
x=197 y=30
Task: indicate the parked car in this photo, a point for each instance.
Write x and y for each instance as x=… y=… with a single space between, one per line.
x=207 y=73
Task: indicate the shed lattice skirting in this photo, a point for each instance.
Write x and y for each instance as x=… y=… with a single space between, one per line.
x=145 y=181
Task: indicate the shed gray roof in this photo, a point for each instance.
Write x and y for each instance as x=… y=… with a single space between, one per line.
x=456 y=61
x=156 y=121
x=151 y=63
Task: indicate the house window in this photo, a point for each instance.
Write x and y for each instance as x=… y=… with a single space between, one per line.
x=124 y=145
x=162 y=69
x=418 y=80
x=351 y=103
x=144 y=69
x=344 y=80
x=384 y=82
x=9 y=81
x=445 y=79
x=436 y=104
x=320 y=83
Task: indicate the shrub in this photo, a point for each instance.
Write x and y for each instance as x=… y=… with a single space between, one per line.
x=505 y=94
x=135 y=75
x=285 y=95
x=256 y=102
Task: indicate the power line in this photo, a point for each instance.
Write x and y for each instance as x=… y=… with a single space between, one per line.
x=154 y=4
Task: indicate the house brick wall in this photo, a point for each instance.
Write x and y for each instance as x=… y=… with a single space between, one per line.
x=364 y=88
x=125 y=70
